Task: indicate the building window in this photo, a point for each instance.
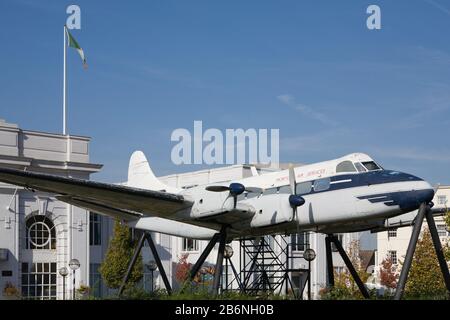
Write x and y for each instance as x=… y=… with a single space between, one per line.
x=442 y=200
x=393 y=256
x=148 y=280
x=39 y=281
x=339 y=270
x=300 y=241
x=392 y=233
x=95 y=280
x=190 y=244
x=40 y=233
x=95 y=229
x=340 y=238
x=442 y=230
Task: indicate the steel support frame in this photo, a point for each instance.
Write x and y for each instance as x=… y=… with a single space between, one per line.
x=219 y=262
x=350 y=267
x=218 y=237
x=235 y=273
x=329 y=256
x=162 y=272
x=424 y=212
x=145 y=236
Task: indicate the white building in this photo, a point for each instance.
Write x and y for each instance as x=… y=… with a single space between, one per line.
x=40 y=234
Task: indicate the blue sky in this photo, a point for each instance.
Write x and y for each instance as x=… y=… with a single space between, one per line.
x=155 y=66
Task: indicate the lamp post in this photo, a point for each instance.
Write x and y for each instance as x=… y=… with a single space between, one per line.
x=63 y=273
x=227 y=254
x=74 y=264
x=309 y=255
x=152 y=267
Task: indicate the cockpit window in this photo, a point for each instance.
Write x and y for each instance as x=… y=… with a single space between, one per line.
x=371 y=166
x=360 y=167
x=345 y=166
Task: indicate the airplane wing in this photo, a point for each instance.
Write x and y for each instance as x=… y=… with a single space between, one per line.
x=115 y=200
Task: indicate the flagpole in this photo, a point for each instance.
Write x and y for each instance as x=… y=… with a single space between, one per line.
x=65 y=84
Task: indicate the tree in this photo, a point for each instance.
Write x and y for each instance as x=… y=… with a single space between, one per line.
x=447 y=245
x=425 y=277
x=182 y=268
x=118 y=256
x=388 y=274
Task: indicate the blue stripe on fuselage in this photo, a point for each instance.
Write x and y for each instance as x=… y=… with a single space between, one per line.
x=406 y=200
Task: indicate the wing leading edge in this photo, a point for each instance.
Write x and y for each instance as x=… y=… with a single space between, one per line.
x=110 y=199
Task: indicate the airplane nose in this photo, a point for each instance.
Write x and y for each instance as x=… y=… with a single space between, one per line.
x=426 y=195
x=419 y=191
x=411 y=200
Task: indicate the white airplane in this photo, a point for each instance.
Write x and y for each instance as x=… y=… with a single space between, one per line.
x=348 y=194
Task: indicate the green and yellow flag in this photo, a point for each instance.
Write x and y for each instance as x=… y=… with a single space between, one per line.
x=74 y=44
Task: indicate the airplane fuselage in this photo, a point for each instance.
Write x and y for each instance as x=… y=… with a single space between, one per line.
x=347 y=194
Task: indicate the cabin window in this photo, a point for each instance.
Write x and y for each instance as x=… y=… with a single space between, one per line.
x=371 y=166
x=345 y=166
x=285 y=189
x=322 y=184
x=270 y=191
x=360 y=167
x=303 y=188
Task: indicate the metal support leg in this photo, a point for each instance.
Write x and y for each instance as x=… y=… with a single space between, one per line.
x=162 y=272
x=330 y=269
x=203 y=256
x=350 y=267
x=219 y=262
x=410 y=251
x=309 y=280
x=438 y=248
x=136 y=253
x=201 y=260
x=236 y=275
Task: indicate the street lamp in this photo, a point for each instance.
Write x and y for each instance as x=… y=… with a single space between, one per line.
x=63 y=273
x=152 y=266
x=228 y=251
x=74 y=264
x=309 y=255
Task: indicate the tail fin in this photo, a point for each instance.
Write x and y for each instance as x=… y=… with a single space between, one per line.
x=141 y=176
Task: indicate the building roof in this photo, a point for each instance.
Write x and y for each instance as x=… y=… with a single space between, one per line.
x=367 y=258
